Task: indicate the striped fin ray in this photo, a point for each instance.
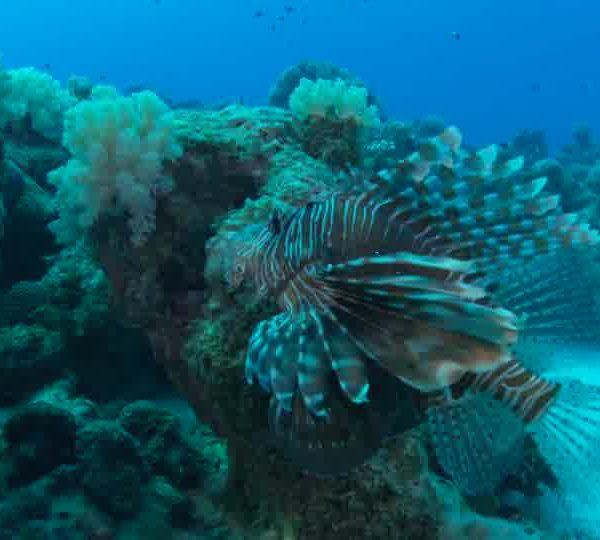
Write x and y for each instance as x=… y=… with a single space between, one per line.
x=556 y=299
x=568 y=436
x=321 y=413
x=351 y=432
x=306 y=354
x=496 y=221
x=527 y=394
x=418 y=317
x=271 y=357
x=483 y=207
x=420 y=287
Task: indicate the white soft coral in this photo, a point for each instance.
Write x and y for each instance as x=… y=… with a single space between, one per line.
x=322 y=97
x=28 y=92
x=118 y=146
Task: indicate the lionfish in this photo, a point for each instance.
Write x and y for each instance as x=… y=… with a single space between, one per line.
x=433 y=292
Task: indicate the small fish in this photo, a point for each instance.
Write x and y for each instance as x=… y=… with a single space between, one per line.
x=414 y=281
x=289 y=9
x=456 y=36
x=258 y=14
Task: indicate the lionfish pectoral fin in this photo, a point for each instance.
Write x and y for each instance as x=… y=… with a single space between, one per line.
x=322 y=413
x=288 y=356
x=419 y=317
x=271 y=357
x=568 y=434
x=350 y=433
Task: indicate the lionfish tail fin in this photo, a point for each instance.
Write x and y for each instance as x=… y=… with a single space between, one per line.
x=476 y=440
x=568 y=433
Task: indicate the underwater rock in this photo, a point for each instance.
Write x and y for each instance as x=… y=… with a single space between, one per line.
x=574 y=195
x=30 y=357
x=584 y=150
x=36 y=160
x=19 y=302
x=396 y=141
x=178 y=508
x=51 y=508
x=429 y=126
x=113 y=471
x=22 y=506
x=173 y=288
x=26 y=240
x=12 y=184
x=69 y=308
x=583 y=136
x=39 y=437
x=163 y=445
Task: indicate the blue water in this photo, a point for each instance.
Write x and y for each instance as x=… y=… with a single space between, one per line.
x=518 y=63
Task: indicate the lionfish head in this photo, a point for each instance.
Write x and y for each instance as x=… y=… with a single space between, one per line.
x=233 y=258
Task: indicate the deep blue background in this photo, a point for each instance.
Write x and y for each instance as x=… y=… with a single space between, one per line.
x=519 y=63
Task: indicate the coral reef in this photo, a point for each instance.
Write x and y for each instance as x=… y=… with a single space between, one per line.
x=92 y=473
x=150 y=202
x=198 y=328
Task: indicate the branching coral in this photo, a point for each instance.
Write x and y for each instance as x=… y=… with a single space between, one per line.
x=118 y=146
